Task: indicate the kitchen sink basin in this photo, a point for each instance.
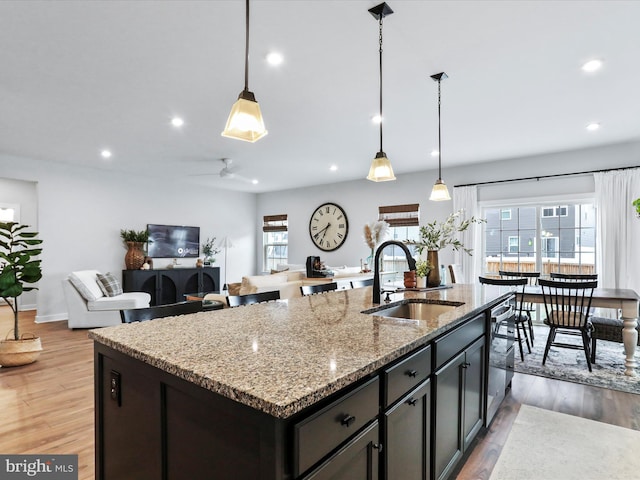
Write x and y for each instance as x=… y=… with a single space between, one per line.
x=415 y=310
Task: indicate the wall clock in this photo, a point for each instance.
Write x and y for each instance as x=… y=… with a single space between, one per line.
x=328 y=227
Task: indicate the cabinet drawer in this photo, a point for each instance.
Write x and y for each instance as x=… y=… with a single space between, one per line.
x=322 y=432
x=452 y=343
x=406 y=374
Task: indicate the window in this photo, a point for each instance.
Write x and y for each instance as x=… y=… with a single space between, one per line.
x=514 y=244
x=505 y=214
x=274 y=241
x=544 y=238
x=404 y=221
x=9 y=212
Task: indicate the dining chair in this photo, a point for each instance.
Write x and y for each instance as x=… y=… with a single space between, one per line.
x=567 y=305
x=362 y=283
x=515 y=306
x=455 y=272
x=251 y=298
x=528 y=307
x=319 y=288
x=160 y=311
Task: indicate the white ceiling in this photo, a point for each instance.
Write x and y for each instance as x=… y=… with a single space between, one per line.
x=80 y=76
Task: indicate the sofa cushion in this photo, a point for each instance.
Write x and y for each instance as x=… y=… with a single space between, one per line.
x=286 y=289
x=109 y=284
x=86 y=282
x=120 y=302
x=252 y=283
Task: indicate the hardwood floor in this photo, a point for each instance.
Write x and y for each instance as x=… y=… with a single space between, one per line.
x=47 y=407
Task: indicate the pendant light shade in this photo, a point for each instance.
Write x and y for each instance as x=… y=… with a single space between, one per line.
x=245 y=120
x=380 y=170
x=439 y=192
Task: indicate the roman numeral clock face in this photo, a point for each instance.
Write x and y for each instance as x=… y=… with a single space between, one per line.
x=328 y=227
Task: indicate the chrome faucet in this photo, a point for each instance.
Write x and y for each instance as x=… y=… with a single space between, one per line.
x=376 y=272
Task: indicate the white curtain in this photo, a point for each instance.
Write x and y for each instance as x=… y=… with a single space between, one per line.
x=466 y=199
x=618 y=245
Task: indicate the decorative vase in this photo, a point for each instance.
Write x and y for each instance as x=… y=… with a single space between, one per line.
x=410 y=279
x=134 y=257
x=14 y=353
x=433 y=278
x=421 y=282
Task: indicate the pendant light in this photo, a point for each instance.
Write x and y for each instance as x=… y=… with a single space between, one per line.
x=440 y=192
x=380 y=170
x=245 y=120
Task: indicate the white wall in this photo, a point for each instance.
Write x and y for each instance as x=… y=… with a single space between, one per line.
x=81 y=212
x=361 y=198
x=23 y=194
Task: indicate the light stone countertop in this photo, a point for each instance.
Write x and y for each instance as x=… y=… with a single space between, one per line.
x=281 y=357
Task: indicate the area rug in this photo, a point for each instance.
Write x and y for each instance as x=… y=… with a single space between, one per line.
x=571 y=366
x=549 y=445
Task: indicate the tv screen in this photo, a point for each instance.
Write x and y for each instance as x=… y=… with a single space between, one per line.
x=171 y=241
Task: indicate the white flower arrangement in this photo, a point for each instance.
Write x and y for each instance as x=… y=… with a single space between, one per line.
x=375 y=233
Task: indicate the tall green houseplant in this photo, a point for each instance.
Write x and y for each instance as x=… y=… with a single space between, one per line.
x=17 y=265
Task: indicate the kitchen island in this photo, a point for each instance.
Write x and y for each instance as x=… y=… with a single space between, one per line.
x=304 y=388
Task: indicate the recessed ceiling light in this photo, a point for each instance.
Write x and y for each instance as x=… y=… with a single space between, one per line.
x=333 y=168
x=434 y=153
x=105 y=153
x=177 y=122
x=592 y=127
x=254 y=181
x=275 y=58
x=592 y=65
x=376 y=119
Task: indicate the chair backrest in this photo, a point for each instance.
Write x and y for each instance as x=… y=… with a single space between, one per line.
x=362 y=283
x=455 y=272
x=509 y=282
x=251 y=298
x=319 y=288
x=532 y=277
x=567 y=303
x=574 y=276
x=159 y=311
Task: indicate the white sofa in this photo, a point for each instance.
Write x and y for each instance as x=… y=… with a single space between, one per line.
x=97 y=309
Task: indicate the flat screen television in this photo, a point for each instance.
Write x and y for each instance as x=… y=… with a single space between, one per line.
x=173 y=241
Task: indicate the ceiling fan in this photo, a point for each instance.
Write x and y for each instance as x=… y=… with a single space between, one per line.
x=229 y=171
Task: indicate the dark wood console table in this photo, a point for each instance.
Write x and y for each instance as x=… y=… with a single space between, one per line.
x=169 y=285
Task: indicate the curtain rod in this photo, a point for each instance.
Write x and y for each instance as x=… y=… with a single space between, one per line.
x=545 y=176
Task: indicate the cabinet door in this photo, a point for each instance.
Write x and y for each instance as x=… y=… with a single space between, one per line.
x=473 y=390
x=407 y=436
x=358 y=459
x=448 y=445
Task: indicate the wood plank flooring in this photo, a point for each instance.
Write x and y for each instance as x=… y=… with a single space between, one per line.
x=47 y=407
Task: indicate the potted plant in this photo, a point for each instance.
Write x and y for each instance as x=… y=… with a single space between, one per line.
x=436 y=235
x=423 y=267
x=134 y=258
x=17 y=269
x=636 y=203
x=209 y=249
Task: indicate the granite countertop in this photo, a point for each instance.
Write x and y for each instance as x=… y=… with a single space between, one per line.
x=283 y=356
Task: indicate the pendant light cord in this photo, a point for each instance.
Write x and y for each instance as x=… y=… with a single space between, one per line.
x=439 y=137
x=246 y=50
x=380 y=51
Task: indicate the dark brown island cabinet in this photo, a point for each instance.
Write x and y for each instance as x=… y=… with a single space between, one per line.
x=414 y=418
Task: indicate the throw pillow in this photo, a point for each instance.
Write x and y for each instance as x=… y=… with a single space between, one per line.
x=109 y=284
x=86 y=283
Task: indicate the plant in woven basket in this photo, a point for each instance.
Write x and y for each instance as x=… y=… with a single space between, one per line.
x=18 y=268
x=141 y=236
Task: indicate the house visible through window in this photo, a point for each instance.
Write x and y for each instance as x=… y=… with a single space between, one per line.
x=404 y=221
x=544 y=238
x=275 y=241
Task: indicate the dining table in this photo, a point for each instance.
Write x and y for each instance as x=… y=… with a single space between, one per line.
x=626 y=301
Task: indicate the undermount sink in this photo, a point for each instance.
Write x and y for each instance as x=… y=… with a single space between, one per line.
x=416 y=310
